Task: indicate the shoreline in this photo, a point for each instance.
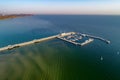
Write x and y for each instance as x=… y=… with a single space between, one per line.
x=3 y=17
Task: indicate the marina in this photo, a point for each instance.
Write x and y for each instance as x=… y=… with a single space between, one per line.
x=71 y=37
x=95 y=37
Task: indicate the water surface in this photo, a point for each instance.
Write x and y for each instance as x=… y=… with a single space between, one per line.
x=56 y=59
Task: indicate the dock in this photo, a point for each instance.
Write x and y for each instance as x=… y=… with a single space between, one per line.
x=95 y=37
x=73 y=41
x=68 y=40
x=99 y=38
x=71 y=37
x=86 y=42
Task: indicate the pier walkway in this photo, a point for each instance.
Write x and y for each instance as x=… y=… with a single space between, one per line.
x=9 y=47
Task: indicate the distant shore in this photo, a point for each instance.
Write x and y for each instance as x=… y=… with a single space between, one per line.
x=2 y=17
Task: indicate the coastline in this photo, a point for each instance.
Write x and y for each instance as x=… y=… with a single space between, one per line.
x=3 y=17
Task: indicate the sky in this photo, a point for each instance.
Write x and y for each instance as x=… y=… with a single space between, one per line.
x=105 y=7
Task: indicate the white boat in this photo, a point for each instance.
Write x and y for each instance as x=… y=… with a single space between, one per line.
x=101 y=58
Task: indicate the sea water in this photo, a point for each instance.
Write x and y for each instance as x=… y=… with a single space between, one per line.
x=56 y=59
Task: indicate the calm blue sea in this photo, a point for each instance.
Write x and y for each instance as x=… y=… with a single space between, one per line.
x=56 y=59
